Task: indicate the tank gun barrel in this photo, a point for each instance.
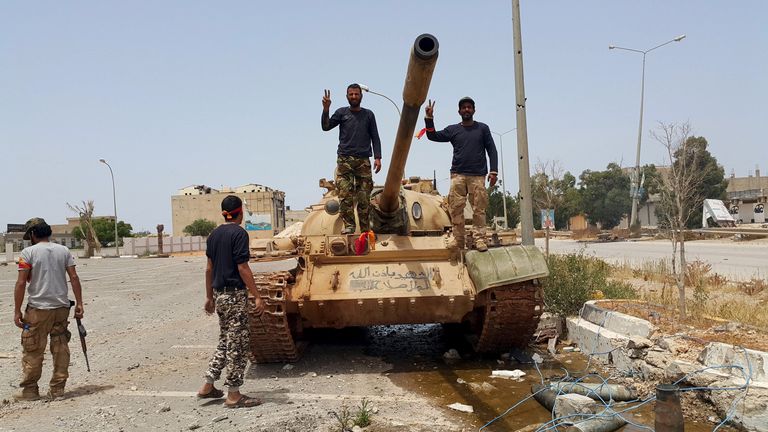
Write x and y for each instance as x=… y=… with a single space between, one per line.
x=417 y=79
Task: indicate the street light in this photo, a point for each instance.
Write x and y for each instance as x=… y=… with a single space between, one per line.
x=366 y=89
x=636 y=174
x=114 y=202
x=503 y=172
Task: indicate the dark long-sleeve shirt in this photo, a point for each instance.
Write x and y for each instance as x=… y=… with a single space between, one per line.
x=357 y=132
x=470 y=144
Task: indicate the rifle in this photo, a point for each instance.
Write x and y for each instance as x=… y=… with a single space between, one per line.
x=83 y=334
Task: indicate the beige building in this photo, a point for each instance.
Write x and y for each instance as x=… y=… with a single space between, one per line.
x=264 y=208
x=747 y=197
x=62 y=234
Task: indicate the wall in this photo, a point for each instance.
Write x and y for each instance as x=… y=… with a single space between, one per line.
x=578 y=222
x=145 y=245
x=265 y=216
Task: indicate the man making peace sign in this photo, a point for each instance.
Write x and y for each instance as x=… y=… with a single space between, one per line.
x=358 y=135
x=471 y=141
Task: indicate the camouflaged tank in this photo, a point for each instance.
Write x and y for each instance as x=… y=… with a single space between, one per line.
x=409 y=274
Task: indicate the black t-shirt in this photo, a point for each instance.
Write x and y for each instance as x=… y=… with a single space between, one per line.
x=227 y=247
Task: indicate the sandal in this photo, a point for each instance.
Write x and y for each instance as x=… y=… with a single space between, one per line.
x=213 y=394
x=245 y=402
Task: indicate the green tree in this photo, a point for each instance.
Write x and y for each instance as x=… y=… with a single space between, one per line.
x=546 y=185
x=713 y=182
x=571 y=202
x=651 y=182
x=553 y=189
x=105 y=230
x=200 y=227
x=605 y=195
x=495 y=207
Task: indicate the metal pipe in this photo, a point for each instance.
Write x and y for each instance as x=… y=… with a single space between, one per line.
x=669 y=413
x=114 y=203
x=503 y=173
x=417 y=79
x=605 y=392
x=598 y=424
x=368 y=90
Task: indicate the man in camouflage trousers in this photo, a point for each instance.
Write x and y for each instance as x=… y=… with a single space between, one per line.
x=471 y=141
x=358 y=135
x=229 y=285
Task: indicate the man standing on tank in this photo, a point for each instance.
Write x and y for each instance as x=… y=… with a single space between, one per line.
x=471 y=141
x=358 y=135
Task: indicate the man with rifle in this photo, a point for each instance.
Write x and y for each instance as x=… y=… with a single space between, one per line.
x=43 y=271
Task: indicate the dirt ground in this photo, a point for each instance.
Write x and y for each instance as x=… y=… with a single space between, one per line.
x=697 y=329
x=149 y=343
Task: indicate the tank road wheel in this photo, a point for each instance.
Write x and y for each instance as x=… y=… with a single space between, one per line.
x=507 y=317
x=272 y=338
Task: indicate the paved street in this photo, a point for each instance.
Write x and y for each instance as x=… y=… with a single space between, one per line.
x=736 y=260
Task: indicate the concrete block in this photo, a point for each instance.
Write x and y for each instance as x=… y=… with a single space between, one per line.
x=693 y=375
x=551 y=321
x=650 y=372
x=751 y=413
x=623 y=360
x=571 y=403
x=720 y=354
x=617 y=322
x=593 y=339
x=658 y=359
x=638 y=342
x=669 y=344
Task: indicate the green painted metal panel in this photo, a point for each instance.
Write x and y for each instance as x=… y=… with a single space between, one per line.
x=505 y=265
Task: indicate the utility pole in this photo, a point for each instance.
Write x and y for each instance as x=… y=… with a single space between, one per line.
x=523 y=168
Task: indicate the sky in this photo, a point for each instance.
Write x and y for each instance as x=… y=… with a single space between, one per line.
x=179 y=93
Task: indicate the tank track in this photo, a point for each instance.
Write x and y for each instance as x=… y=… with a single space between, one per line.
x=271 y=337
x=510 y=316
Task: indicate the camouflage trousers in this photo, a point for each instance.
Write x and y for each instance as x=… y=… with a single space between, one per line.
x=461 y=187
x=42 y=323
x=354 y=183
x=234 y=338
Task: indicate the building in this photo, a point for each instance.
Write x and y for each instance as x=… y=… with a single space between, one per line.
x=264 y=208
x=747 y=197
x=62 y=234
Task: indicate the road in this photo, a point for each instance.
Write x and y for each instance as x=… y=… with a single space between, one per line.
x=735 y=260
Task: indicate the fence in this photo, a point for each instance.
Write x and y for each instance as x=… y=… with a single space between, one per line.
x=148 y=245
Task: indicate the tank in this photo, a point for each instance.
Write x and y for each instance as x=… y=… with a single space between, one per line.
x=408 y=275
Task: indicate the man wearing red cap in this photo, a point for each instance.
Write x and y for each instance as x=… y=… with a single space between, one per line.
x=228 y=286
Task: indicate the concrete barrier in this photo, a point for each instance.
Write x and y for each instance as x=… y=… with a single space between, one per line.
x=717 y=354
x=593 y=339
x=617 y=322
